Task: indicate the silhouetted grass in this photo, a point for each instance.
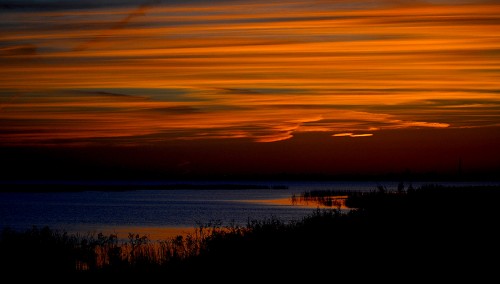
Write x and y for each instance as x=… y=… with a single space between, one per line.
x=409 y=233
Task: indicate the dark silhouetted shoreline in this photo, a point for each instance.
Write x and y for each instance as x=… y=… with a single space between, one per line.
x=411 y=233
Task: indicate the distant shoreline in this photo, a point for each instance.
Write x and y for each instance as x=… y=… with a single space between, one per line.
x=41 y=186
x=116 y=187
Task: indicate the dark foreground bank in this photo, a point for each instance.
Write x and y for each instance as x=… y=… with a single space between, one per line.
x=405 y=235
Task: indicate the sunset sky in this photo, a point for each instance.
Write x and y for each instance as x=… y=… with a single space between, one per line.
x=187 y=88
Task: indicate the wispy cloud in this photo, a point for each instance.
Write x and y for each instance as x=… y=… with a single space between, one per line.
x=260 y=70
x=352 y=135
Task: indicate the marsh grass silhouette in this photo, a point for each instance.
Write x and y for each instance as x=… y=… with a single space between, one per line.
x=410 y=234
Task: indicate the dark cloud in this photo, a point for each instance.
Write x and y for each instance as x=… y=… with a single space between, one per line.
x=140 y=10
x=237 y=91
x=18 y=50
x=316 y=106
x=88 y=4
x=463 y=102
x=65 y=4
x=177 y=110
x=111 y=95
x=437 y=20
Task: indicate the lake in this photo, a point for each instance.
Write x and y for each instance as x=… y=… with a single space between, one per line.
x=161 y=213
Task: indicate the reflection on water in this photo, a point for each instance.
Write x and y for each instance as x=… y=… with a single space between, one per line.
x=334 y=202
x=142 y=210
x=328 y=201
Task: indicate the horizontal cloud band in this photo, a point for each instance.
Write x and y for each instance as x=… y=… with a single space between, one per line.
x=261 y=70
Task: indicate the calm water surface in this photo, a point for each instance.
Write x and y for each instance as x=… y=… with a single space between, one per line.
x=160 y=213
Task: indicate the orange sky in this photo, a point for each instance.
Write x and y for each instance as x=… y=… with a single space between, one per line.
x=152 y=72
